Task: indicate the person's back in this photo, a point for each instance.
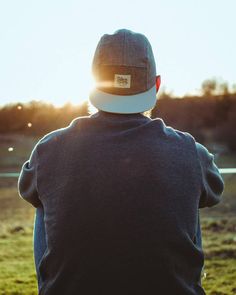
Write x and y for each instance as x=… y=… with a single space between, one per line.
x=120 y=194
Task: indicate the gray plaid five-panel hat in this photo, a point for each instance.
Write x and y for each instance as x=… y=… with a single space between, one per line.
x=125 y=73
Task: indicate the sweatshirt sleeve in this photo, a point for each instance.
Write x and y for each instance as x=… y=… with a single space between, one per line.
x=212 y=182
x=27 y=182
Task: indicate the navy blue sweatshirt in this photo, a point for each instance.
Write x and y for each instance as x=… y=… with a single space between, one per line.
x=120 y=195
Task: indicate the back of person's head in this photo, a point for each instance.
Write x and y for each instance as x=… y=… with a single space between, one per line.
x=125 y=73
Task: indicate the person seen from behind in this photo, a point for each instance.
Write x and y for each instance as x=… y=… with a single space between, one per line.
x=117 y=194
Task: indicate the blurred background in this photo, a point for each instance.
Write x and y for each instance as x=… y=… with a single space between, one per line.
x=45 y=78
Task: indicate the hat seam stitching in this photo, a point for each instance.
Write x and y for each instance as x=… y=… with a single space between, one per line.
x=123 y=65
x=124 y=57
x=146 y=47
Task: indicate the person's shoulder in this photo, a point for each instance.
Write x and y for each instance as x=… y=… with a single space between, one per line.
x=56 y=135
x=172 y=132
x=52 y=136
x=203 y=153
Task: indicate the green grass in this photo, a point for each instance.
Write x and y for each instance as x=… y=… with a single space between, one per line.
x=219 y=243
x=17 y=273
x=220 y=277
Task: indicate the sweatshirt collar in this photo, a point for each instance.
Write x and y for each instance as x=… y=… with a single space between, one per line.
x=119 y=117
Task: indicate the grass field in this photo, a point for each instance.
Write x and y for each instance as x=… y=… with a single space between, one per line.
x=17 y=274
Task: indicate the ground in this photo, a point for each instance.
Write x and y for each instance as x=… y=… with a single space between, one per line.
x=17 y=275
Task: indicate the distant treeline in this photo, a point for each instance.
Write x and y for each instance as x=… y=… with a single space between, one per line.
x=210 y=117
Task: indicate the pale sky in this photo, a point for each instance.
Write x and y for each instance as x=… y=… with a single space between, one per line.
x=47 y=46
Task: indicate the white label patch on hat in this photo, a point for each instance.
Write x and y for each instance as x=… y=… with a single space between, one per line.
x=122 y=81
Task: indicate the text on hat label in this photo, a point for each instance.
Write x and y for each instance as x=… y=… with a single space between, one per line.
x=122 y=81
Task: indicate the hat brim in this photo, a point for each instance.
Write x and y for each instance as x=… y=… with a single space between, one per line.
x=126 y=104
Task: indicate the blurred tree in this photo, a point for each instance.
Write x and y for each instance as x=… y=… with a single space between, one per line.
x=210 y=116
x=226 y=131
x=224 y=88
x=38 y=117
x=209 y=87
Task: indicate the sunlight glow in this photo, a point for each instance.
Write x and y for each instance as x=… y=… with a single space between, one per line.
x=104 y=84
x=51 y=60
